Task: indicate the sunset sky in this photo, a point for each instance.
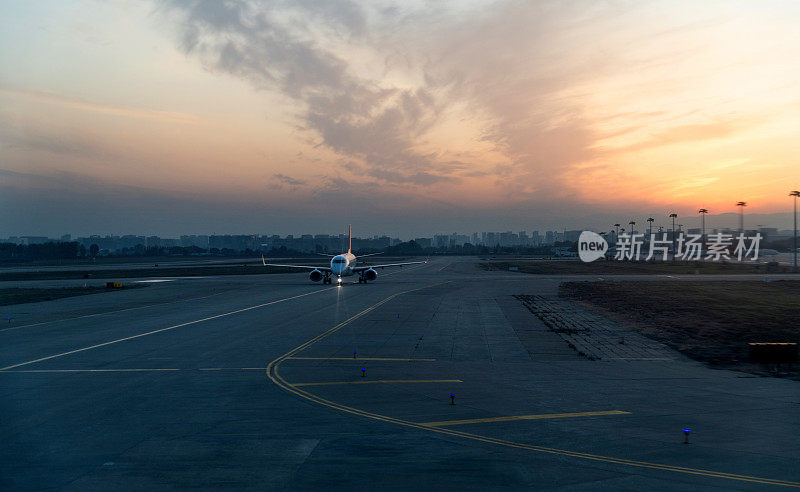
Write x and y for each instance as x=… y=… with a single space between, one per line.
x=403 y=118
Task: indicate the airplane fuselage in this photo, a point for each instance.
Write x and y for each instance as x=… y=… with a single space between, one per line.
x=342 y=265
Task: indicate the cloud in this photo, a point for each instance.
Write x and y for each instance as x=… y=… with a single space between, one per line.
x=506 y=72
x=279 y=46
x=19 y=134
x=690 y=133
x=282 y=179
x=84 y=105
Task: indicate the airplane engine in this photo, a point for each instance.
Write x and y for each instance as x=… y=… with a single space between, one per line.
x=370 y=275
x=315 y=275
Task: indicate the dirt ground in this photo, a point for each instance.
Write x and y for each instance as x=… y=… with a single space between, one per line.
x=609 y=267
x=709 y=321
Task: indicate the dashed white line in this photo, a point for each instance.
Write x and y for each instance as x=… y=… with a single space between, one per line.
x=162 y=329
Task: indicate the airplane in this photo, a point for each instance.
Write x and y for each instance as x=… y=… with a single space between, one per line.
x=343 y=265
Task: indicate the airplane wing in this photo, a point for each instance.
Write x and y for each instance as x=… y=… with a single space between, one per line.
x=371 y=254
x=386 y=265
x=299 y=267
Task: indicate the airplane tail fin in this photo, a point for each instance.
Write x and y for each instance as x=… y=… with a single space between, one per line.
x=349 y=238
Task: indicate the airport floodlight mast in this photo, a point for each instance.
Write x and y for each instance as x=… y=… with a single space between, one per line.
x=673 y=216
x=616 y=233
x=741 y=206
x=703 y=213
x=632 y=223
x=650 y=220
x=795 y=194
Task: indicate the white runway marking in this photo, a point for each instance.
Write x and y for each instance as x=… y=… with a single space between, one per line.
x=87 y=370
x=153 y=281
x=162 y=329
x=45 y=371
x=110 y=312
x=637 y=358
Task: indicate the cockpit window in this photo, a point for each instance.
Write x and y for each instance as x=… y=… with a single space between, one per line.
x=339 y=260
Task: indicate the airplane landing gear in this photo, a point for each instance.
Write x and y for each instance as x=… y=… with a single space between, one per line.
x=327 y=280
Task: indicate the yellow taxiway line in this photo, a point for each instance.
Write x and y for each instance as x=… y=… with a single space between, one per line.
x=274 y=375
x=381 y=381
x=523 y=417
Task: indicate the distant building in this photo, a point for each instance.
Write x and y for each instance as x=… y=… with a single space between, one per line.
x=424 y=242
x=199 y=241
x=26 y=240
x=508 y=238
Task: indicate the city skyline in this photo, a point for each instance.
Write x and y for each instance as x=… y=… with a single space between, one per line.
x=440 y=239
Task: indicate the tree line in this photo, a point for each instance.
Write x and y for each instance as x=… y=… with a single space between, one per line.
x=45 y=251
x=55 y=250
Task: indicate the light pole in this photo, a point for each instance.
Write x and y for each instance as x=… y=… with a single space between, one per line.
x=703 y=213
x=741 y=206
x=673 y=216
x=632 y=223
x=650 y=220
x=795 y=194
x=616 y=233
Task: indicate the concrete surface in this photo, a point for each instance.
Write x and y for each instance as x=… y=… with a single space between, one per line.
x=215 y=382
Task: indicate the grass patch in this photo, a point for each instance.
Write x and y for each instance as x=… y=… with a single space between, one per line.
x=193 y=271
x=574 y=267
x=709 y=321
x=23 y=296
x=177 y=271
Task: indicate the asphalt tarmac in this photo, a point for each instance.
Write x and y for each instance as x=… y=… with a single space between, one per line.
x=251 y=382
